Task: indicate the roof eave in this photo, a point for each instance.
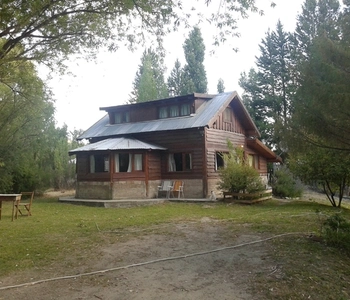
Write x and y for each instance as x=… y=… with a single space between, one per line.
x=263 y=150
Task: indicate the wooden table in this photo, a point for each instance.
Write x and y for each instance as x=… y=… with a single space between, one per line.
x=9 y=197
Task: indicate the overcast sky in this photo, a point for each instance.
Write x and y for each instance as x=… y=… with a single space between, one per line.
x=108 y=81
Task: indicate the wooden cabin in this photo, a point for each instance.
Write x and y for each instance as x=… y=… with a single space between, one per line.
x=137 y=146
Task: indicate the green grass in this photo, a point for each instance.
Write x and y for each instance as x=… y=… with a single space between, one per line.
x=58 y=230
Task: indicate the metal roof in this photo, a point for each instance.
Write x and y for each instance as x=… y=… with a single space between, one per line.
x=117 y=144
x=203 y=117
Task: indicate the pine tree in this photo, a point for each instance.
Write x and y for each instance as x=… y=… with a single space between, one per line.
x=176 y=79
x=194 y=71
x=147 y=87
x=317 y=17
x=269 y=91
x=152 y=66
x=220 y=86
x=322 y=107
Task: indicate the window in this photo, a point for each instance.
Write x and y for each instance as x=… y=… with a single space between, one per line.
x=253 y=161
x=174 y=111
x=227 y=115
x=99 y=163
x=138 y=162
x=121 y=117
x=127 y=162
x=185 y=110
x=219 y=160
x=163 y=112
x=180 y=162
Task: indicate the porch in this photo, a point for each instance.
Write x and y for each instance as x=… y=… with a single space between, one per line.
x=122 y=203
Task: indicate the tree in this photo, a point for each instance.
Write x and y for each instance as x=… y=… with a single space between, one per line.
x=323 y=100
x=49 y=31
x=318 y=17
x=26 y=108
x=237 y=176
x=176 y=79
x=147 y=89
x=220 y=86
x=326 y=168
x=268 y=92
x=149 y=79
x=256 y=104
x=194 y=71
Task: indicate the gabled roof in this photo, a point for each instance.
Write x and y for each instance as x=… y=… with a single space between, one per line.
x=205 y=115
x=117 y=144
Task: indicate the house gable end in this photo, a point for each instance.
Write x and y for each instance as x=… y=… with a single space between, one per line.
x=233 y=116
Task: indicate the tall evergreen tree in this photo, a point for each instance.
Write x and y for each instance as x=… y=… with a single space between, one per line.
x=220 y=86
x=147 y=87
x=268 y=91
x=322 y=104
x=194 y=71
x=151 y=71
x=256 y=104
x=176 y=79
x=317 y=17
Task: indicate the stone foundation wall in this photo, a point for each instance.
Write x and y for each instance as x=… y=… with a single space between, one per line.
x=93 y=190
x=213 y=186
x=193 y=189
x=129 y=190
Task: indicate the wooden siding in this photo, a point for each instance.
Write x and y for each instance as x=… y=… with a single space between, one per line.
x=217 y=142
x=233 y=126
x=185 y=141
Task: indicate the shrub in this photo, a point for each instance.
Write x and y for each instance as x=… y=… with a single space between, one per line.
x=237 y=176
x=285 y=185
x=336 y=231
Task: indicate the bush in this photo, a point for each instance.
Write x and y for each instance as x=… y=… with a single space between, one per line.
x=238 y=176
x=336 y=232
x=284 y=184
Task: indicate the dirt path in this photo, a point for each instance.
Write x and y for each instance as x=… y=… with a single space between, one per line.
x=226 y=274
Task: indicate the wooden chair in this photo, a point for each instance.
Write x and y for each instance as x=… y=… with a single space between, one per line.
x=25 y=204
x=178 y=188
x=165 y=186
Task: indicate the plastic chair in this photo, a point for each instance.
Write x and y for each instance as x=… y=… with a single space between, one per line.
x=178 y=188
x=165 y=187
x=25 y=204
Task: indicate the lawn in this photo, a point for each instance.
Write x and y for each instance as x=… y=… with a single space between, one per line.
x=58 y=230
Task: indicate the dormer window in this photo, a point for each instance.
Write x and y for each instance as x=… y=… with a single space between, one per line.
x=163 y=112
x=121 y=117
x=185 y=110
x=174 y=111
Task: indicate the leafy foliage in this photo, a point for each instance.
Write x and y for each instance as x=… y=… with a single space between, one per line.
x=336 y=231
x=33 y=152
x=49 y=31
x=237 y=176
x=285 y=185
x=327 y=168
